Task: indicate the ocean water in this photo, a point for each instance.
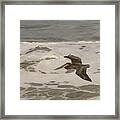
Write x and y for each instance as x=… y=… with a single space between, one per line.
x=40 y=81
x=59 y=30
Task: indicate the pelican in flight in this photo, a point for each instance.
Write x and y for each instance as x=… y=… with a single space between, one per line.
x=76 y=64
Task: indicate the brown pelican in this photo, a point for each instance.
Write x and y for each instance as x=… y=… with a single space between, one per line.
x=76 y=65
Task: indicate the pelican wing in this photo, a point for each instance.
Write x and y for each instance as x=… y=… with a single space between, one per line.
x=82 y=74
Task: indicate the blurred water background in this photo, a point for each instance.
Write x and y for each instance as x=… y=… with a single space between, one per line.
x=59 y=30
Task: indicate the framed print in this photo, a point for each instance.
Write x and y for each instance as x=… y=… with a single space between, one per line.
x=60 y=60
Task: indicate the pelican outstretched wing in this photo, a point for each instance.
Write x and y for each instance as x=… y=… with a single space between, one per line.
x=82 y=73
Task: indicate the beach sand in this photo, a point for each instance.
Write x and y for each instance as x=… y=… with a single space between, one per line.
x=39 y=80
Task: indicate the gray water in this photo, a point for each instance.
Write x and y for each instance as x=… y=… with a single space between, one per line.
x=59 y=30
